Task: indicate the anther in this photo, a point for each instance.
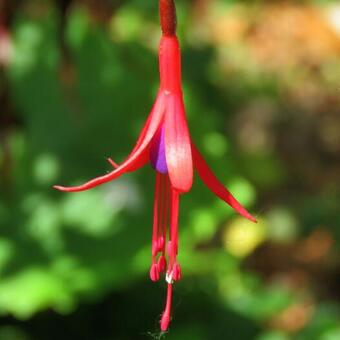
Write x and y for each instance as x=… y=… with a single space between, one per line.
x=154 y=272
x=176 y=272
x=161 y=264
x=161 y=243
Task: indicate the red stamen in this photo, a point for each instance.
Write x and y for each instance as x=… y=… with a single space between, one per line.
x=161 y=264
x=176 y=272
x=156 y=216
x=174 y=219
x=162 y=219
x=161 y=203
x=165 y=213
x=173 y=234
x=165 y=320
x=161 y=241
x=168 y=200
x=166 y=208
x=154 y=272
x=171 y=252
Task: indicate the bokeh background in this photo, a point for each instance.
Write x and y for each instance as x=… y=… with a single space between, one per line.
x=262 y=90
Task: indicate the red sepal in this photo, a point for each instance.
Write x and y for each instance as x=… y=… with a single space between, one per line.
x=138 y=157
x=215 y=185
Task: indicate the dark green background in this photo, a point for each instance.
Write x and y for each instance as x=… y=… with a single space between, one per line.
x=263 y=107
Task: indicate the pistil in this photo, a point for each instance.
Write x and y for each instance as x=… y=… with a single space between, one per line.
x=165 y=319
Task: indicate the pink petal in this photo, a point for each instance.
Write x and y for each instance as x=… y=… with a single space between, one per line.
x=177 y=145
x=137 y=158
x=215 y=186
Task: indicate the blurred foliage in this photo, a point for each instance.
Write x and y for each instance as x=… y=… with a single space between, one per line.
x=261 y=82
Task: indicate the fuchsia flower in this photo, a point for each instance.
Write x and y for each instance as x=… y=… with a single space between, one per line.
x=165 y=143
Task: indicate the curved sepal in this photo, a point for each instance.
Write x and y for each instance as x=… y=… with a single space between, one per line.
x=138 y=157
x=215 y=185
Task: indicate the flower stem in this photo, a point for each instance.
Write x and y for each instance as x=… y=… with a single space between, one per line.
x=167 y=12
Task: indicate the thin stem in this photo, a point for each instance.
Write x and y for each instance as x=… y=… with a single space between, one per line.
x=167 y=12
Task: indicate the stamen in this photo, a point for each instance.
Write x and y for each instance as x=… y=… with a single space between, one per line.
x=161 y=264
x=166 y=208
x=174 y=219
x=161 y=242
x=165 y=215
x=162 y=216
x=176 y=272
x=161 y=203
x=173 y=234
x=154 y=272
x=156 y=216
x=171 y=252
x=167 y=197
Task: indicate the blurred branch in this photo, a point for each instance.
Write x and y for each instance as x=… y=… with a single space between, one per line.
x=103 y=10
x=7 y=10
x=7 y=116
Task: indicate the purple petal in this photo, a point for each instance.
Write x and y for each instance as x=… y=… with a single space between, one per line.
x=157 y=152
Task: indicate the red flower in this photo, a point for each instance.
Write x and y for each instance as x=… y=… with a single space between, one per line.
x=165 y=143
